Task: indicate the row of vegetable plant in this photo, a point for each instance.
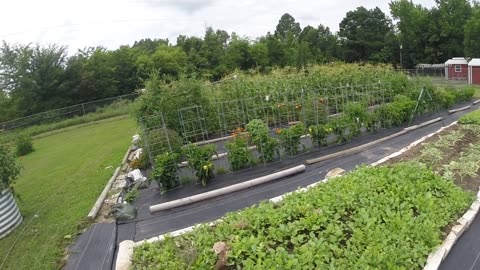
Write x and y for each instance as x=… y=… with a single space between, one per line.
x=387 y=217
x=358 y=108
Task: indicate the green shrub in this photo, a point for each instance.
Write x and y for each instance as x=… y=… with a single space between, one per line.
x=397 y=112
x=9 y=168
x=165 y=170
x=290 y=138
x=444 y=98
x=472 y=118
x=24 y=144
x=373 y=218
x=464 y=94
x=260 y=137
x=239 y=156
x=199 y=158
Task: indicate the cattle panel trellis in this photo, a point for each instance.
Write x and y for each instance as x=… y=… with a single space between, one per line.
x=277 y=109
x=155 y=135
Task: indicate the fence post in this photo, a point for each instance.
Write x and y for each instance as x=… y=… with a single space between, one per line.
x=83 y=108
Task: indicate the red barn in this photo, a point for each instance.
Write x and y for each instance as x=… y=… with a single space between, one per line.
x=474 y=71
x=456 y=69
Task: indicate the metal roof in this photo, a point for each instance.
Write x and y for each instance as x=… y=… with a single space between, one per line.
x=457 y=61
x=475 y=62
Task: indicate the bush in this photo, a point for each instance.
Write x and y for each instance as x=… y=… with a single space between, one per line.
x=397 y=112
x=348 y=223
x=444 y=98
x=472 y=118
x=165 y=170
x=24 y=145
x=464 y=94
x=9 y=169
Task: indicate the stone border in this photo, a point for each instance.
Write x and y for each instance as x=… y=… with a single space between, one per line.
x=98 y=204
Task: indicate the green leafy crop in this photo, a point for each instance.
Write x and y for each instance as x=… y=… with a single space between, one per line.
x=388 y=217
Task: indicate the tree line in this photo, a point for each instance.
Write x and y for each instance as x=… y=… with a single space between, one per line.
x=36 y=78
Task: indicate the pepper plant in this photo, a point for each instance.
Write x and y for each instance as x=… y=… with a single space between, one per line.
x=200 y=160
x=165 y=170
x=319 y=134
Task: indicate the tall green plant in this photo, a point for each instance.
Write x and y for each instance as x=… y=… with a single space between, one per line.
x=239 y=156
x=290 y=138
x=9 y=168
x=200 y=160
x=266 y=145
x=165 y=170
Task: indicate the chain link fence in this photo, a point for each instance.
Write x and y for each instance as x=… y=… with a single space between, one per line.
x=63 y=113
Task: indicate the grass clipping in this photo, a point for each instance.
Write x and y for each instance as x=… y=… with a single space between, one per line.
x=375 y=217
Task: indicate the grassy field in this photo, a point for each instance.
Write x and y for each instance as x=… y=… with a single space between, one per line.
x=59 y=184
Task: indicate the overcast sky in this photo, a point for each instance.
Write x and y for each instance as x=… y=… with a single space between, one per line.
x=112 y=23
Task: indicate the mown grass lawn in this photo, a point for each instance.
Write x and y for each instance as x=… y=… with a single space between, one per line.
x=58 y=186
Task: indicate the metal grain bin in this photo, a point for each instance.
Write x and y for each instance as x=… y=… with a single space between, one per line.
x=10 y=216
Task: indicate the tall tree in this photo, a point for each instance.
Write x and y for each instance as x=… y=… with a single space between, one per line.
x=472 y=34
x=238 y=54
x=32 y=76
x=364 y=33
x=452 y=16
x=413 y=30
x=287 y=28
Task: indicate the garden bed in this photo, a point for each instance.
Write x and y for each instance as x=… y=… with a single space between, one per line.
x=445 y=153
x=376 y=217
x=393 y=215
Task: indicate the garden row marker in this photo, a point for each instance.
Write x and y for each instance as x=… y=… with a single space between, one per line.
x=362 y=147
x=476 y=102
x=227 y=190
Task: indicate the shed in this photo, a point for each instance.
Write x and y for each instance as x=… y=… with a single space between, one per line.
x=456 y=69
x=474 y=71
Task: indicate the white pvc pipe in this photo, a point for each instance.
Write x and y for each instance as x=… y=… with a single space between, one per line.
x=227 y=190
x=459 y=109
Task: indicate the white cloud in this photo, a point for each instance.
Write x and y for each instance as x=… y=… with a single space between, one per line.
x=112 y=23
